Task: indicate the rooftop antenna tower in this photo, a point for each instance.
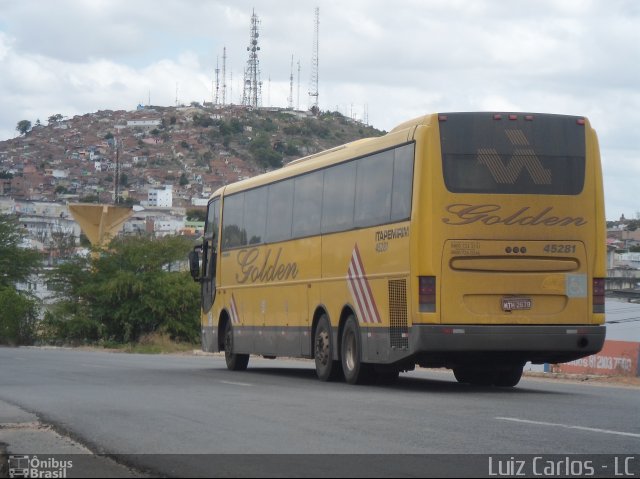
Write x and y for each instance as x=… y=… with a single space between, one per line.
x=252 y=84
x=313 y=89
x=290 y=99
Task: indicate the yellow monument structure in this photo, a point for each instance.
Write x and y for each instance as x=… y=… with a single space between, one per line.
x=101 y=223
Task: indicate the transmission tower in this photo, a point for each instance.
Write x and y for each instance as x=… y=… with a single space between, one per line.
x=252 y=84
x=313 y=89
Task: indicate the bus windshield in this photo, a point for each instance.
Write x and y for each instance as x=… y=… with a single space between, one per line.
x=539 y=154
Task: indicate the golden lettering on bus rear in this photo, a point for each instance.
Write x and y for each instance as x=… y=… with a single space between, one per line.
x=254 y=270
x=465 y=214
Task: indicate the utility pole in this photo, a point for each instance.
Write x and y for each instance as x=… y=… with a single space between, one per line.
x=116 y=181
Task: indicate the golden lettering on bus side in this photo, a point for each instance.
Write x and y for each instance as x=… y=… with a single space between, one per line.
x=270 y=268
x=465 y=214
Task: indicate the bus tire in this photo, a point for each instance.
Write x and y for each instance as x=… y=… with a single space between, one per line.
x=508 y=378
x=387 y=377
x=235 y=362
x=475 y=376
x=355 y=371
x=326 y=368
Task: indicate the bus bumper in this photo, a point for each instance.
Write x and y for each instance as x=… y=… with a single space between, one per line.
x=538 y=344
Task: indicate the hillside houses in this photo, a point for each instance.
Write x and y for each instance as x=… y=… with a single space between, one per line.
x=150 y=147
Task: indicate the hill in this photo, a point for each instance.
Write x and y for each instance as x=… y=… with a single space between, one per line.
x=196 y=149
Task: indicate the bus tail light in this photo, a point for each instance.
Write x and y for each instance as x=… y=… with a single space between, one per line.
x=598 y=295
x=427 y=293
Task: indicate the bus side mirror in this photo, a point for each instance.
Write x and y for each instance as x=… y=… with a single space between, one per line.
x=194 y=263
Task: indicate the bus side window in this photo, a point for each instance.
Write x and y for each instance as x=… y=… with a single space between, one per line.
x=233 y=234
x=279 y=211
x=307 y=204
x=255 y=215
x=373 y=189
x=402 y=183
x=338 y=197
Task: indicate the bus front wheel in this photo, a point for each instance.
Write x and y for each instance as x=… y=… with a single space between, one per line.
x=235 y=361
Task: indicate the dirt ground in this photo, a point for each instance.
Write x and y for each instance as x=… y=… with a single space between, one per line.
x=583 y=378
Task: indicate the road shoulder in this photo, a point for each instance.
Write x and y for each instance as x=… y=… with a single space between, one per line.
x=24 y=435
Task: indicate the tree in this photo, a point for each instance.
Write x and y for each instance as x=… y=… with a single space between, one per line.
x=197 y=214
x=53 y=119
x=633 y=225
x=263 y=154
x=16 y=263
x=18 y=313
x=23 y=127
x=128 y=291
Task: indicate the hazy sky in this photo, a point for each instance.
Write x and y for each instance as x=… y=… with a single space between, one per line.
x=390 y=60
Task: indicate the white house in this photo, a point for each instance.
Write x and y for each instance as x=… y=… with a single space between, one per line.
x=143 y=123
x=161 y=197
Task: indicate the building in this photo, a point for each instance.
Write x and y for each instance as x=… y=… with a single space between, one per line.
x=161 y=197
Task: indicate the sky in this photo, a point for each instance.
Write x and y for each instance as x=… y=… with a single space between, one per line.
x=379 y=61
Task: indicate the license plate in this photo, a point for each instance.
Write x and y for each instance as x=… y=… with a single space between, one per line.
x=516 y=304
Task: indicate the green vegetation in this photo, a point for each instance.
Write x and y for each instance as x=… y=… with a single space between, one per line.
x=131 y=291
x=18 y=311
x=23 y=127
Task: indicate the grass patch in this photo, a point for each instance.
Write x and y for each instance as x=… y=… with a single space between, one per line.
x=153 y=343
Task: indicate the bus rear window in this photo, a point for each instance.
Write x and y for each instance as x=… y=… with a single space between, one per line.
x=506 y=153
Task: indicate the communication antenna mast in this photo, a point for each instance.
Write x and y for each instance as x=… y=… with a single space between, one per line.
x=224 y=76
x=313 y=89
x=217 y=87
x=252 y=84
x=298 y=100
x=290 y=99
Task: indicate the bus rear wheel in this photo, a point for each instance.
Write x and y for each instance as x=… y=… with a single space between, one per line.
x=506 y=376
x=235 y=361
x=326 y=368
x=355 y=371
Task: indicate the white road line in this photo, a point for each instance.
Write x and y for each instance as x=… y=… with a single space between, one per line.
x=236 y=384
x=569 y=426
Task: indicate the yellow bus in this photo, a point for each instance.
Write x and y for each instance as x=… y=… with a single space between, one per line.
x=470 y=241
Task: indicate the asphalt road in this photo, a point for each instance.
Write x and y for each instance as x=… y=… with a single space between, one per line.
x=139 y=407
